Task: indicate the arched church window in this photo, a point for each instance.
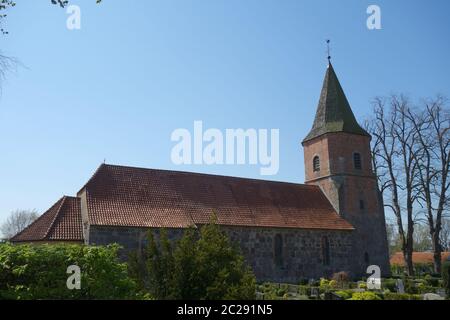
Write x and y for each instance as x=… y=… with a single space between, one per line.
x=357 y=161
x=316 y=164
x=278 y=250
x=325 y=251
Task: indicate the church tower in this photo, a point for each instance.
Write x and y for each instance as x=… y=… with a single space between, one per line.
x=338 y=159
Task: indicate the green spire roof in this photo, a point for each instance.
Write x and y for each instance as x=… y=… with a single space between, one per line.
x=334 y=113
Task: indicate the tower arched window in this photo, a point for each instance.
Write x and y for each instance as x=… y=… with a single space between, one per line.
x=357 y=161
x=316 y=164
x=361 y=205
x=325 y=251
x=278 y=250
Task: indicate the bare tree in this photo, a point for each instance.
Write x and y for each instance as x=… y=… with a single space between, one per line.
x=393 y=161
x=432 y=126
x=7 y=65
x=422 y=239
x=17 y=221
x=8 y=4
x=393 y=237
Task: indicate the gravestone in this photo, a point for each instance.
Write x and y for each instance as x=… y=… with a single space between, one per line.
x=293 y=288
x=315 y=292
x=432 y=296
x=332 y=296
x=441 y=292
x=400 y=286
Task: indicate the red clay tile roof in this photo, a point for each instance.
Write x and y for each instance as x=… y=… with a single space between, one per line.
x=126 y=196
x=62 y=222
x=418 y=257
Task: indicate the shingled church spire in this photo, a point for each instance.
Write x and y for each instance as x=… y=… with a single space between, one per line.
x=333 y=113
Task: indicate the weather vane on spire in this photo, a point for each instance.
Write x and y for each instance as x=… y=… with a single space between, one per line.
x=328 y=50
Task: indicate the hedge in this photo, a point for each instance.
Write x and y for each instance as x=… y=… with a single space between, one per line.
x=40 y=272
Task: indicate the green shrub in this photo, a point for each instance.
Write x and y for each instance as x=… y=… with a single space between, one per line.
x=390 y=284
x=325 y=285
x=362 y=285
x=409 y=285
x=304 y=290
x=273 y=291
x=333 y=284
x=401 y=296
x=432 y=281
x=446 y=277
x=397 y=270
x=345 y=294
x=324 y=282
x=40 y=272
x=366 y=295
x=424 y=288
x=421 y=269
x=281 y=292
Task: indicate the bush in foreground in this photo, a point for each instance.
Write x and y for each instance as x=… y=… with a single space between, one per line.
x=40 y=272
x=366 y=295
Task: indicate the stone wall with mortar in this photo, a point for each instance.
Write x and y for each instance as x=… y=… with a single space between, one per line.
x=302 y=252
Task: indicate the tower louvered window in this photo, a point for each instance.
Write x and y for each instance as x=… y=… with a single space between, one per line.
x=357 y=161
x=316 y=164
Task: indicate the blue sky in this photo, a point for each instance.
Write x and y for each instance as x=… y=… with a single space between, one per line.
x=117 y=88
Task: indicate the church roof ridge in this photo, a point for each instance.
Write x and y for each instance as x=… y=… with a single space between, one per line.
x=103 y=165
x=140 y=197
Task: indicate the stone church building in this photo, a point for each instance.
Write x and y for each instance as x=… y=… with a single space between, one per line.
x=286 y=231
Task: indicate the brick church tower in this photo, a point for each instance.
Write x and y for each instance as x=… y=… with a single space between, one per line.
x=338 y=159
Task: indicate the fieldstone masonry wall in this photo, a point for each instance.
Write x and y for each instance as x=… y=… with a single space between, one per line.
x=301 y=254
x=130 y=238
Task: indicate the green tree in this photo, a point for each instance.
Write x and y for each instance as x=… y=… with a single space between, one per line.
x=223 y=268
x=160 y=266
x=422 y=239
x=201 y=265
x=394 y=241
